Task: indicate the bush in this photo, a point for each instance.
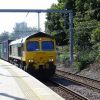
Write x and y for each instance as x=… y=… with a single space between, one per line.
x=63 y=57
x=96 y=35
x=77 y=65
x=98 y=58
x=84 y=58
x=96 y=47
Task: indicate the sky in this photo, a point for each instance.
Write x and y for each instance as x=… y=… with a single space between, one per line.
x=8 y=20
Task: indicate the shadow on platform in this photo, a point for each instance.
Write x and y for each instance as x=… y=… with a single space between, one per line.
x=13 y=75
x=9 y=96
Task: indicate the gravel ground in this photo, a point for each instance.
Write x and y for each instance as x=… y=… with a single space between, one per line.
x=91 y=95
x=86 y=92
x=59 y=91
x=68 y=69
x=93 y=71
x=62 y=94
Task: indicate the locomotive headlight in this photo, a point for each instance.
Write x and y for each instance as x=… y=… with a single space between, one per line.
x=30 y=60
x=51 y=60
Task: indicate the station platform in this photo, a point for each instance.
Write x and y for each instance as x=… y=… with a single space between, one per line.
x=16 y=84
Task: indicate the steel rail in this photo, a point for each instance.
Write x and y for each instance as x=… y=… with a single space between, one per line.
x=87 y=82
x=71 y=92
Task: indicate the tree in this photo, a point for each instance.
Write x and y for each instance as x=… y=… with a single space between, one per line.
x=22 y=30
x=4 y=36
x=95 y=35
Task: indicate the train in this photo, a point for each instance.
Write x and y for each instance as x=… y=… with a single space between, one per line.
x=35 y=54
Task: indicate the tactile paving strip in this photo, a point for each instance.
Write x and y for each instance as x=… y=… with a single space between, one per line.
x=28 y=92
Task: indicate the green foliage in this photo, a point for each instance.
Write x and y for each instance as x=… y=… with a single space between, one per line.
x=84 y=58
x=69 y=4
x=89 y=7
x=97 y=48
x=96 y=35
x=77 y=65
x=61 y=38
x=83 y=41
x=98 y=58
x=4 y=36
x=82 y=37
x=79 y=5
x=63 y=54
x=86 y=28
x=63 y=57
x=84 y=33
x=81 y=8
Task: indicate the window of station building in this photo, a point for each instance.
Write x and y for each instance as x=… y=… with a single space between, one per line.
x=33 y=46
x=47 y=45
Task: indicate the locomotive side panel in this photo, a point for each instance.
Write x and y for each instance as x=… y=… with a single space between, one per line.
x=15 y=51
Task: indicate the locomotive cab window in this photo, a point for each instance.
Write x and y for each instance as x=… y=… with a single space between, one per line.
x=47 y=45
x=32 y=46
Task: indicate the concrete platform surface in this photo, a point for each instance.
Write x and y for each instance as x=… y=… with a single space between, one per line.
x=15 y=84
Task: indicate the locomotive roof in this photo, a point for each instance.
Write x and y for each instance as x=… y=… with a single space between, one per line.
x=22 y=40
x=18 y=41
x=40 y=34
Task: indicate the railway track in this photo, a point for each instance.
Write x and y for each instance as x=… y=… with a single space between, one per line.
x=65 y=92
x=84 y=81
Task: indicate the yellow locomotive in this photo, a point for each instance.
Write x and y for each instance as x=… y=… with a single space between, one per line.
x=35 y=54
